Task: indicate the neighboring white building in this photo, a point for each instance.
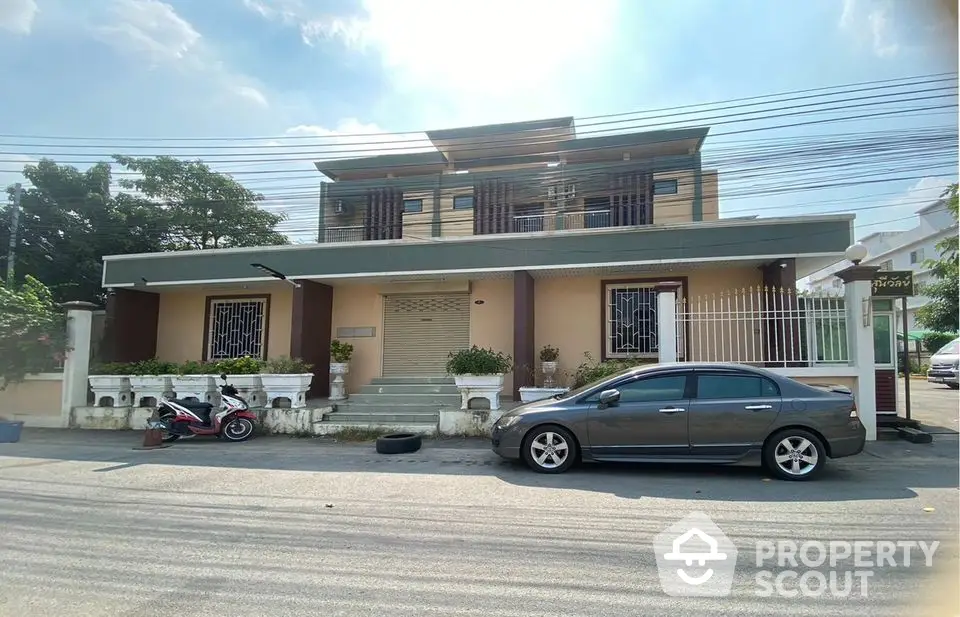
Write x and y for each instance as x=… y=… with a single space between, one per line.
x=900 y=250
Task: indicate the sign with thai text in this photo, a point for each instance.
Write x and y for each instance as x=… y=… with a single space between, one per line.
x=893 y=283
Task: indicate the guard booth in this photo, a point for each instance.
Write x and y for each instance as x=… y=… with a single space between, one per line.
x=886 y=358
x=888 y=286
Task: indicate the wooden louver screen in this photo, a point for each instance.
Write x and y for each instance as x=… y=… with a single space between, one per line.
x=493 y=209
x=383 y=219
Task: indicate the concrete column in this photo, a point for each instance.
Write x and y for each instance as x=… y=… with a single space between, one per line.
x=858 y=291
x=130 y=332
x=76 y=366
x=524 y=352
x=311 y=331
x=667 y=321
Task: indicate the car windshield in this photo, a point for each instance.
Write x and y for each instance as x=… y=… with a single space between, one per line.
x=593 y=384
x=950 y=349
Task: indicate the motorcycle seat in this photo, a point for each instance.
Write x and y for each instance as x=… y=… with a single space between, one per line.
x=193 y=405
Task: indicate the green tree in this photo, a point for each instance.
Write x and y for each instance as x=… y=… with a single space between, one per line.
x=204 y=209
x=942 y=313
x=69 y=220
x=32 y=331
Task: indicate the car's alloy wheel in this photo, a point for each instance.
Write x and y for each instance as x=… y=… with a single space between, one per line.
x=795 y=454
x=549 y=449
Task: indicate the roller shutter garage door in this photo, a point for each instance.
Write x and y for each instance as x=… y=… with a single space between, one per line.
x=419 y=332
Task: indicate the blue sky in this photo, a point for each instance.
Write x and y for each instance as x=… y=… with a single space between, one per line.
x=263 y=71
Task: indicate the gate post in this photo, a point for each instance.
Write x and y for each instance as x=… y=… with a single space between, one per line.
x=858 y=289
x=76 y=365
x=667 y=321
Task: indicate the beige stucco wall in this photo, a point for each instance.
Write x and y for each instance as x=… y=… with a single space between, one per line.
x=569 y=311
x=180 y=327
x=360 y=306
x=491 y=323
x=34 y=401
x=711 y=195
x=455 y=222
x=676 y=208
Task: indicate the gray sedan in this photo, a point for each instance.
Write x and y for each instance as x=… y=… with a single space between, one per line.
x=687 y=412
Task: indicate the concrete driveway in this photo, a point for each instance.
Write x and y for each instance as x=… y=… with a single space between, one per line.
x=297 y=527
x=936 y=406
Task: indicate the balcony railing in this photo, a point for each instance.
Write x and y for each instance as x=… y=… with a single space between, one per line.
x=597 y=219
x=353 y=233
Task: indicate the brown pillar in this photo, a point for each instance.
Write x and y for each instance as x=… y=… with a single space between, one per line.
x=311 y=332
x=782 y=336
x=524 y=353
x=130 y=329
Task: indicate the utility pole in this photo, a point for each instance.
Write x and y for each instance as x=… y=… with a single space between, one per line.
x=14 y=221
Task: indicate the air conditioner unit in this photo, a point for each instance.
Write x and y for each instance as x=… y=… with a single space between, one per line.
x=339 y=208
x=568 y=191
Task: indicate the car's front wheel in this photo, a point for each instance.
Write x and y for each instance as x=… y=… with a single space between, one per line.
x=549 y=449
x=794 y=454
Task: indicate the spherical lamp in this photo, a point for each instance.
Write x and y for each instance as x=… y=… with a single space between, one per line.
x=856 y=253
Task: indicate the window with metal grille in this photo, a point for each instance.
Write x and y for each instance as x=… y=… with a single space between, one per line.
x=631 y=321
x=237 y=328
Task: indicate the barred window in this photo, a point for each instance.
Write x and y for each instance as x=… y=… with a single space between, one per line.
x=631 y=320
x=236 y=328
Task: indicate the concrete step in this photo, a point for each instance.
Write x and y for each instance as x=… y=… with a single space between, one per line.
x=439 y=379
x=384 y=418
x=409 y=388
x=420 y=428
x=393 y=407
x=404 y=399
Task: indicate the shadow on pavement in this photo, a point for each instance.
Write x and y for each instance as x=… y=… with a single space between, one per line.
x=890 y=471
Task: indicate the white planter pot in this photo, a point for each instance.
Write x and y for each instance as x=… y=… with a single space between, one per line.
x=338 y=388
x=150 y=387
x=289 y=386
x=529 y=395
x=201 y=387
x=112 y=388
x=249 y=387
x=479 y=386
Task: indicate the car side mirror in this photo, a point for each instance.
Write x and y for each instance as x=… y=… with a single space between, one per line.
x=609 y=397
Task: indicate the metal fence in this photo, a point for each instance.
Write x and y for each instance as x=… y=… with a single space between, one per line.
x=764 y=326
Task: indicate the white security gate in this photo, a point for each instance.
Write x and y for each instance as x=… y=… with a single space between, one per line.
x=420 y=331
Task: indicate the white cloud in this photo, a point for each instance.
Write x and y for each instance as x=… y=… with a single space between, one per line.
x=531 y=46
x=873 y=25
x=17 y=15
x=898 y=213
x=253 y=94
x=352 y=138
x=152 y=28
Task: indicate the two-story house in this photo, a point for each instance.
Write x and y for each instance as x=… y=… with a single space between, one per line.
x=510 y=237
x=902 y=250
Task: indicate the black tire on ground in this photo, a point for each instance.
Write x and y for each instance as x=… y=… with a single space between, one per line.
x=955 y=386
x=805 y=442
x=399 y=443
x=563 y=443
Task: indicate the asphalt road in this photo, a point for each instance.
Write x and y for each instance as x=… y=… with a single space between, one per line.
x=936 y=406
x=293 y=527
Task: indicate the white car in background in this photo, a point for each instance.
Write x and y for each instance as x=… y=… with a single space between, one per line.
x=945 y=365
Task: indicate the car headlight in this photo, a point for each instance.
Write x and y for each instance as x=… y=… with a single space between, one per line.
x=507 y=421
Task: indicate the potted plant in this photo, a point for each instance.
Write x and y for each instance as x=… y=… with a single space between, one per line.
x=478 y=373
x=151 y=379
x=340 y=353
x=244 y=374
x=286 y=377
x=111 y=382
x=548 y=365
x=196 y=380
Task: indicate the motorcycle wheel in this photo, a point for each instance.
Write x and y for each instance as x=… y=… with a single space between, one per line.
x=168 y=437
x=238 y=429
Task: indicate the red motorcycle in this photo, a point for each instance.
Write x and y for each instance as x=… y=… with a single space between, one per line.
x=181 y=419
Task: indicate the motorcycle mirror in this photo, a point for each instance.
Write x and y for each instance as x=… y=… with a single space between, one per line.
x=223 y=376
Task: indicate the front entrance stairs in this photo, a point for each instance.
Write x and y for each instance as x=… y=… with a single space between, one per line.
x=409 y=404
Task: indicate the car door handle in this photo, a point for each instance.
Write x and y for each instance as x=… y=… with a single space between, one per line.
x=672 y=410
x=758 y=407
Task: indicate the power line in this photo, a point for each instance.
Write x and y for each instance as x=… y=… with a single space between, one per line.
x=899 y=81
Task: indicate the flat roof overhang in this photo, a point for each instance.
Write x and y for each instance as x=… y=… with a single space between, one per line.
x=810 y=240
